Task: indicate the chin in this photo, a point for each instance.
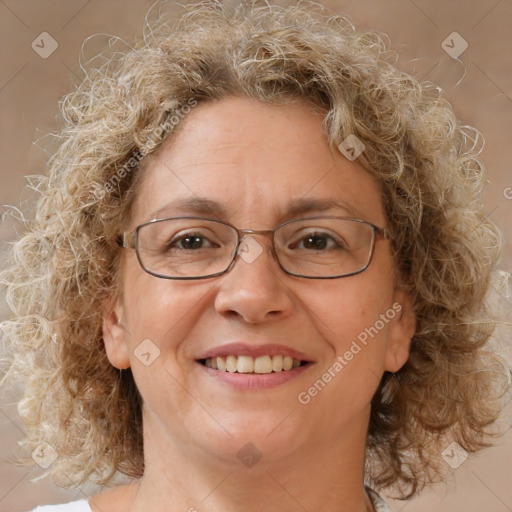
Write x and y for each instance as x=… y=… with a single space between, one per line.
x=271 y=437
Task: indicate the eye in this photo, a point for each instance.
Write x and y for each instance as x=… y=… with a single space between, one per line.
x=319 y=241
x=190 y=241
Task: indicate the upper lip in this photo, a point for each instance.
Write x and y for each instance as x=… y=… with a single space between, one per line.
x=244 y=349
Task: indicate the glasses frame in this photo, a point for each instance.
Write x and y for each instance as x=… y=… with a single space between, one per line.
x=130 y=239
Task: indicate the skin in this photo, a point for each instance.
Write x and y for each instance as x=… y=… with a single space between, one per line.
x=254 y=159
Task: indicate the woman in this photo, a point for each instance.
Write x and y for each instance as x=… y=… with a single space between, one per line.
x=259 y=277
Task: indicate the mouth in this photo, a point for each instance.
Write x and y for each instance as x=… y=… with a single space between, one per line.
x=251 y=367
x=260 y=365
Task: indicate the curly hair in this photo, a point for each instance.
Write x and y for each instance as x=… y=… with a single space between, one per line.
x=67 y=262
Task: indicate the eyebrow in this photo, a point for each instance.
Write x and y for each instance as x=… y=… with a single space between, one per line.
x=200 y=205
x=308 y=205
x=209 y=207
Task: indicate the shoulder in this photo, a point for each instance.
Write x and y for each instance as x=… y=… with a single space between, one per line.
x=75 y=506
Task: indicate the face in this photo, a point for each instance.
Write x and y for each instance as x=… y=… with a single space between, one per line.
x=255 y=161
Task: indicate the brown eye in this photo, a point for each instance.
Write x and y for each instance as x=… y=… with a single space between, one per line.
x=318 y=241
x=191 y=241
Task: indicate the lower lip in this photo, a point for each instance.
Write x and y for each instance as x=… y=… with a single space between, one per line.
x=256 y=382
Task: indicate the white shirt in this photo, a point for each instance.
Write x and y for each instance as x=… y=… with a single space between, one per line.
x=83 y=505
x=76 y=506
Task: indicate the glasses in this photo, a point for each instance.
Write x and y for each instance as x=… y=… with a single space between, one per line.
x=322 y=247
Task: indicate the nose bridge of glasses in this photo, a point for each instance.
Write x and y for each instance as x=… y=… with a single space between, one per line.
x=268 y=233
x=246 y=232
x=243 y=234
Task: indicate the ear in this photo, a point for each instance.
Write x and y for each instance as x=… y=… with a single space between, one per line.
x=401 y=331
x=114 y=334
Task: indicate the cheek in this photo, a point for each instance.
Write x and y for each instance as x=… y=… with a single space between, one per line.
x=354 y=315
x=349 y=319
x=349 y=310
x=155 y=307
x=158 y=314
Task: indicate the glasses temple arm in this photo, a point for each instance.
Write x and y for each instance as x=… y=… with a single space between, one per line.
x=127 y=240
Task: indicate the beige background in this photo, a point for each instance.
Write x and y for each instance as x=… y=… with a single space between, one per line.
x=479 y=85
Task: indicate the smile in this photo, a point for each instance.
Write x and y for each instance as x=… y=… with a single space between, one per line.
x=263 y=364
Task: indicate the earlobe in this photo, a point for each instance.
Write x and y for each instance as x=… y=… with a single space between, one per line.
x=402 y=329
x=114 y=334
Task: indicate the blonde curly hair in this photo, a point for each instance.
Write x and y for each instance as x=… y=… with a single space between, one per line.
x=66 y=263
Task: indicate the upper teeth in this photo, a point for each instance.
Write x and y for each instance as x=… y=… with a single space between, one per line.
x=248 y=364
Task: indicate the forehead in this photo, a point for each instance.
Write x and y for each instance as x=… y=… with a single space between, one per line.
x=245 y=161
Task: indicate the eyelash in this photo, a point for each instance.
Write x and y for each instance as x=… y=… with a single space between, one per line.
x=174 y=241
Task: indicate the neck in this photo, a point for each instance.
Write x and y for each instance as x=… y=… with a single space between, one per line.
x=178 y=477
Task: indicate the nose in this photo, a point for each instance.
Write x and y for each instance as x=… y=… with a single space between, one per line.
x=255 y=288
